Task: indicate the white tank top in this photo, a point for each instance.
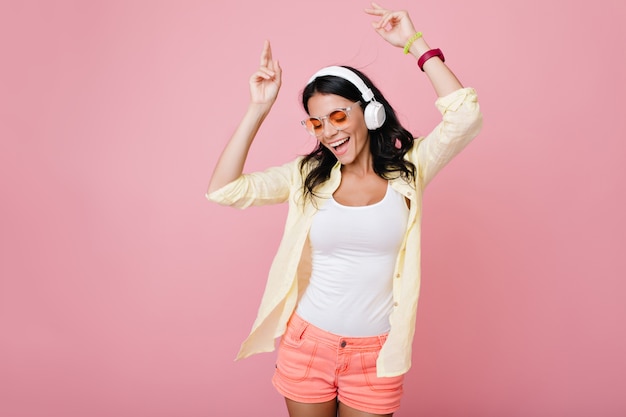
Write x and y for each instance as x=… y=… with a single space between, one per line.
x=354 y=253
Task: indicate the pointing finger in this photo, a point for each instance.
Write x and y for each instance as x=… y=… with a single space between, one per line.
x=266 y=55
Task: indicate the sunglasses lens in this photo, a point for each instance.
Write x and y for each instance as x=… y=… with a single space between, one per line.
x=314 y=126
x=339 y=119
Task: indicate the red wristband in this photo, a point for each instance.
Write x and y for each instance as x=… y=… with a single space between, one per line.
x=430 y=54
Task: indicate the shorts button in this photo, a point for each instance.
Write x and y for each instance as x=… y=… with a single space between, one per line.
x=343 y=343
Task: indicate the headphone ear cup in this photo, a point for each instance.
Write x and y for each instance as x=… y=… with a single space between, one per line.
x=374 y=115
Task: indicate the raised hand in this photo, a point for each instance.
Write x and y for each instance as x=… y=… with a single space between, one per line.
x=265 y=82
x=395 y=27
x=264 y=86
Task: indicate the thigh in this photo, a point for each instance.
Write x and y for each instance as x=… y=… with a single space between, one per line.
x=346 y=411
x=325 y=409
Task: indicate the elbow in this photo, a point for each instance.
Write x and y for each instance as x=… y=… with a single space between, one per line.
x=473 y=117
x=476 y=124
x=214 y=185
x=210 y=195
x=232 y=194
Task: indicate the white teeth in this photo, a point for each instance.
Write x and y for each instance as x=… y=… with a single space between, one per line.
x=334 y=145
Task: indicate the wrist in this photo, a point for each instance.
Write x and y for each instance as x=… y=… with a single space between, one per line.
x=433 y=53
x=410 y=41
x=260 y=106
x=259 y=110
x=419 y=47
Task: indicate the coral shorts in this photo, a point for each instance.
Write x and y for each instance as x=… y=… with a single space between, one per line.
x=315 y=366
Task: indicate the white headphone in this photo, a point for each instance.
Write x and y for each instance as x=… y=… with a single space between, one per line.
x=374 y=112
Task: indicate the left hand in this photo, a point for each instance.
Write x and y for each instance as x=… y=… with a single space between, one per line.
x=394 y=27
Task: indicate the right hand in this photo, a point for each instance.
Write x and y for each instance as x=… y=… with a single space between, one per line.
x=395 y=27
x=266 y=81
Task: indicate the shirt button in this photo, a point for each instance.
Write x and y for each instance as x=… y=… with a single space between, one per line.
x=409 y=193
x=397 y=275
x=395 y=304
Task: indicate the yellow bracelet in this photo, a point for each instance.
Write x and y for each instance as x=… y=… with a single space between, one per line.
x=410 y=42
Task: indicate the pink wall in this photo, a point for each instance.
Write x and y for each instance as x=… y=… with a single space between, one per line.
x=123 y=292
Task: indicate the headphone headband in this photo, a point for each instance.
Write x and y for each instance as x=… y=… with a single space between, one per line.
x=348 y=75
x=374 y=112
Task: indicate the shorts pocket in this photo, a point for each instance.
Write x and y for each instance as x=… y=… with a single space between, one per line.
x=375 y=383
x=295 y=357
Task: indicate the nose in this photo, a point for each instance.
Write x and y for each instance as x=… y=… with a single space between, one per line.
x=328 y=129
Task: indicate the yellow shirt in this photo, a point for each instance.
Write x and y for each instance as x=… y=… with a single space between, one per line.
x=291 y=266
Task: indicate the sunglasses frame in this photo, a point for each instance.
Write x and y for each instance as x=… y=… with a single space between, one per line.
x=321 y=119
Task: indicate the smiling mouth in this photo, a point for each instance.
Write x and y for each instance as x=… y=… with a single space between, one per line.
x=338 y=143
x=340 y=147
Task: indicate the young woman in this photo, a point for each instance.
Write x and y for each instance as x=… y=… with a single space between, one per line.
x=343 y=288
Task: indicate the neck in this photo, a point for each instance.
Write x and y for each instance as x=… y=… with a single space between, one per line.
x=362 y=167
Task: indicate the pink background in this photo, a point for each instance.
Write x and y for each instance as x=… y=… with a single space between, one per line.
x=123 y=292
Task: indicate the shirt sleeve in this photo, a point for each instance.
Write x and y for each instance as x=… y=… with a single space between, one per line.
x=271 y=186
x=462 y=120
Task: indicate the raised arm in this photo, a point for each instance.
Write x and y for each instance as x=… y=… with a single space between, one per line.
x=397 y=28
x=459 y=107
x=264 y=86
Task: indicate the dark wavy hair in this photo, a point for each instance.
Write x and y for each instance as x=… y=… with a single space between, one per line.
x=389 y=162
